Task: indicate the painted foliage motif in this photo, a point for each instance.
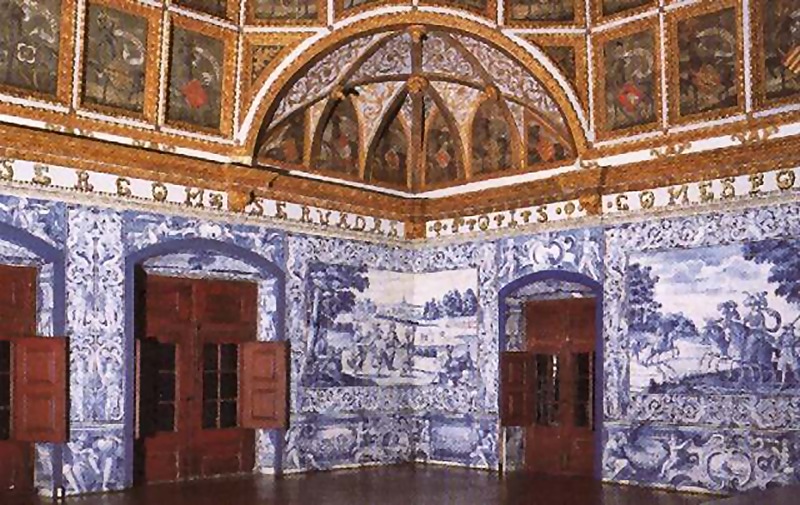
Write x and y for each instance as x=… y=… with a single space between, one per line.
x=781 y=36
x=287 y=142
x=215 y=7
x=29 y=43
x=442 y=160
x=611 y=7
x=116 y=54
x=708 y=48
x=272 y=10
x=721 y=319
x=630 y=80
x=373 y=328
x=492 y=143
x=338 y=146
x=388 y=163
x=195 y=79
x=542 y=10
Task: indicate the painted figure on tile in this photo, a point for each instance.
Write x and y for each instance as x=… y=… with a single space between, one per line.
x=287 y=142
x=736 y=339
x=611 y=7
x=29 y=43
x=115 y=58
x=369 y=328
x=389 y=162
x=542 y=10
x=630 y=80
x=285 y=10
x=195 y=82
x=781 y=35
x=708 y=48
x=442 y=154
x=215 y=7
x=338 y=149
x=492 y=143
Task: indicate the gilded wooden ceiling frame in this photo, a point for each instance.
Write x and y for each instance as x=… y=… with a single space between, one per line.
x=579 y=45
x=320 y=21
x=388 y=22
x=670 y=139
x=651 y=25
x=153 y=17
x=227 y=95
x=578 y=21
x=65 y=63
x=758 y=80
x=673 y=18
x=599 y=17
x=231 y=10
x=341 y=12
x=490 y=11
x=288 y=40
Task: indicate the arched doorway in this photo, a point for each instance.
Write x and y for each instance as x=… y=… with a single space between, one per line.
x=206 y=321
x=551 y=373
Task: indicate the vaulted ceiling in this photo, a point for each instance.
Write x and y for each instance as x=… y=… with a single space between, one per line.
x=416 y=109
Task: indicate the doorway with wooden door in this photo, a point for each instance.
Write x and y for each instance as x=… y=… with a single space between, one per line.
x=548 y=386
x=33 y=381
x=203 y=382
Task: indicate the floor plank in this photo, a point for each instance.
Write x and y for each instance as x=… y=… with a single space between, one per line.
x=398 y=485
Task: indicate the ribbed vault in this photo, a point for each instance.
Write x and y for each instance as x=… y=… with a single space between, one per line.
x=415 y=109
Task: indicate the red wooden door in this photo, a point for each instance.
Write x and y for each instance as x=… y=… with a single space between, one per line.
x=189 y=377
x=17 y=320
x=560 y=343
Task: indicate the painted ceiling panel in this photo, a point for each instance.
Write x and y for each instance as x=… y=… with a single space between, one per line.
x=441 y=55
x=392 y=58
x=320 y=78
x=372 y=103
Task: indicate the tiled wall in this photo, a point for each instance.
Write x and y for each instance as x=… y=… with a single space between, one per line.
x=394 y=350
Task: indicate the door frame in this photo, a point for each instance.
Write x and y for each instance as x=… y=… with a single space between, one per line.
x=267 y=270
x=597 y=291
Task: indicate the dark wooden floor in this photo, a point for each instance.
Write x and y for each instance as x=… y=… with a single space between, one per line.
x=399 y=485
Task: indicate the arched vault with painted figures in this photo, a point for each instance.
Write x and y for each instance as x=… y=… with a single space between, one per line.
x=416 y=102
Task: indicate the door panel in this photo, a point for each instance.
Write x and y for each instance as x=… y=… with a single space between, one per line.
x=40 y=389
x=17 y=319
x=560 y=340
x=192 y=378
x=265 y=395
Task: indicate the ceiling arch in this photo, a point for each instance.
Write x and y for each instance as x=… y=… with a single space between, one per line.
x=429 y=70
x=265 y=98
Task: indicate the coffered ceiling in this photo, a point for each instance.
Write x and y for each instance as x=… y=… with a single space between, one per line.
x=408 y=97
